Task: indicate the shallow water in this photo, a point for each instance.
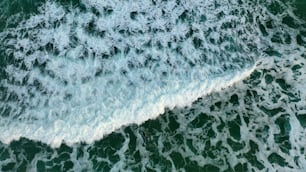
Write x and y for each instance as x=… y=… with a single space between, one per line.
x=153 y=86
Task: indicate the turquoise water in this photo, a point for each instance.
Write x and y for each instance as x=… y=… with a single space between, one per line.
x=153 y=86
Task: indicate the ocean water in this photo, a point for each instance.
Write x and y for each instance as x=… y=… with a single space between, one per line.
x=153 y=85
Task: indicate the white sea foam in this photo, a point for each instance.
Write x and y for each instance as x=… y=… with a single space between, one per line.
x=81 y=75
x=77 y=90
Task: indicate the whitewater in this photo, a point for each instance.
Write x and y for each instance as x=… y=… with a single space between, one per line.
x=79 y=73
x=82 y=75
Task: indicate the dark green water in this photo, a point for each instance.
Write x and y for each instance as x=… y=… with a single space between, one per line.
x=257 y=124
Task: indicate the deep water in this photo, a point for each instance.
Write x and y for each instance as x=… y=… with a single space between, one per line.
x=206 y=85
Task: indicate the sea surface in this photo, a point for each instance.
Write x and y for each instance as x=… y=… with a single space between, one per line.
x=153 y=85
